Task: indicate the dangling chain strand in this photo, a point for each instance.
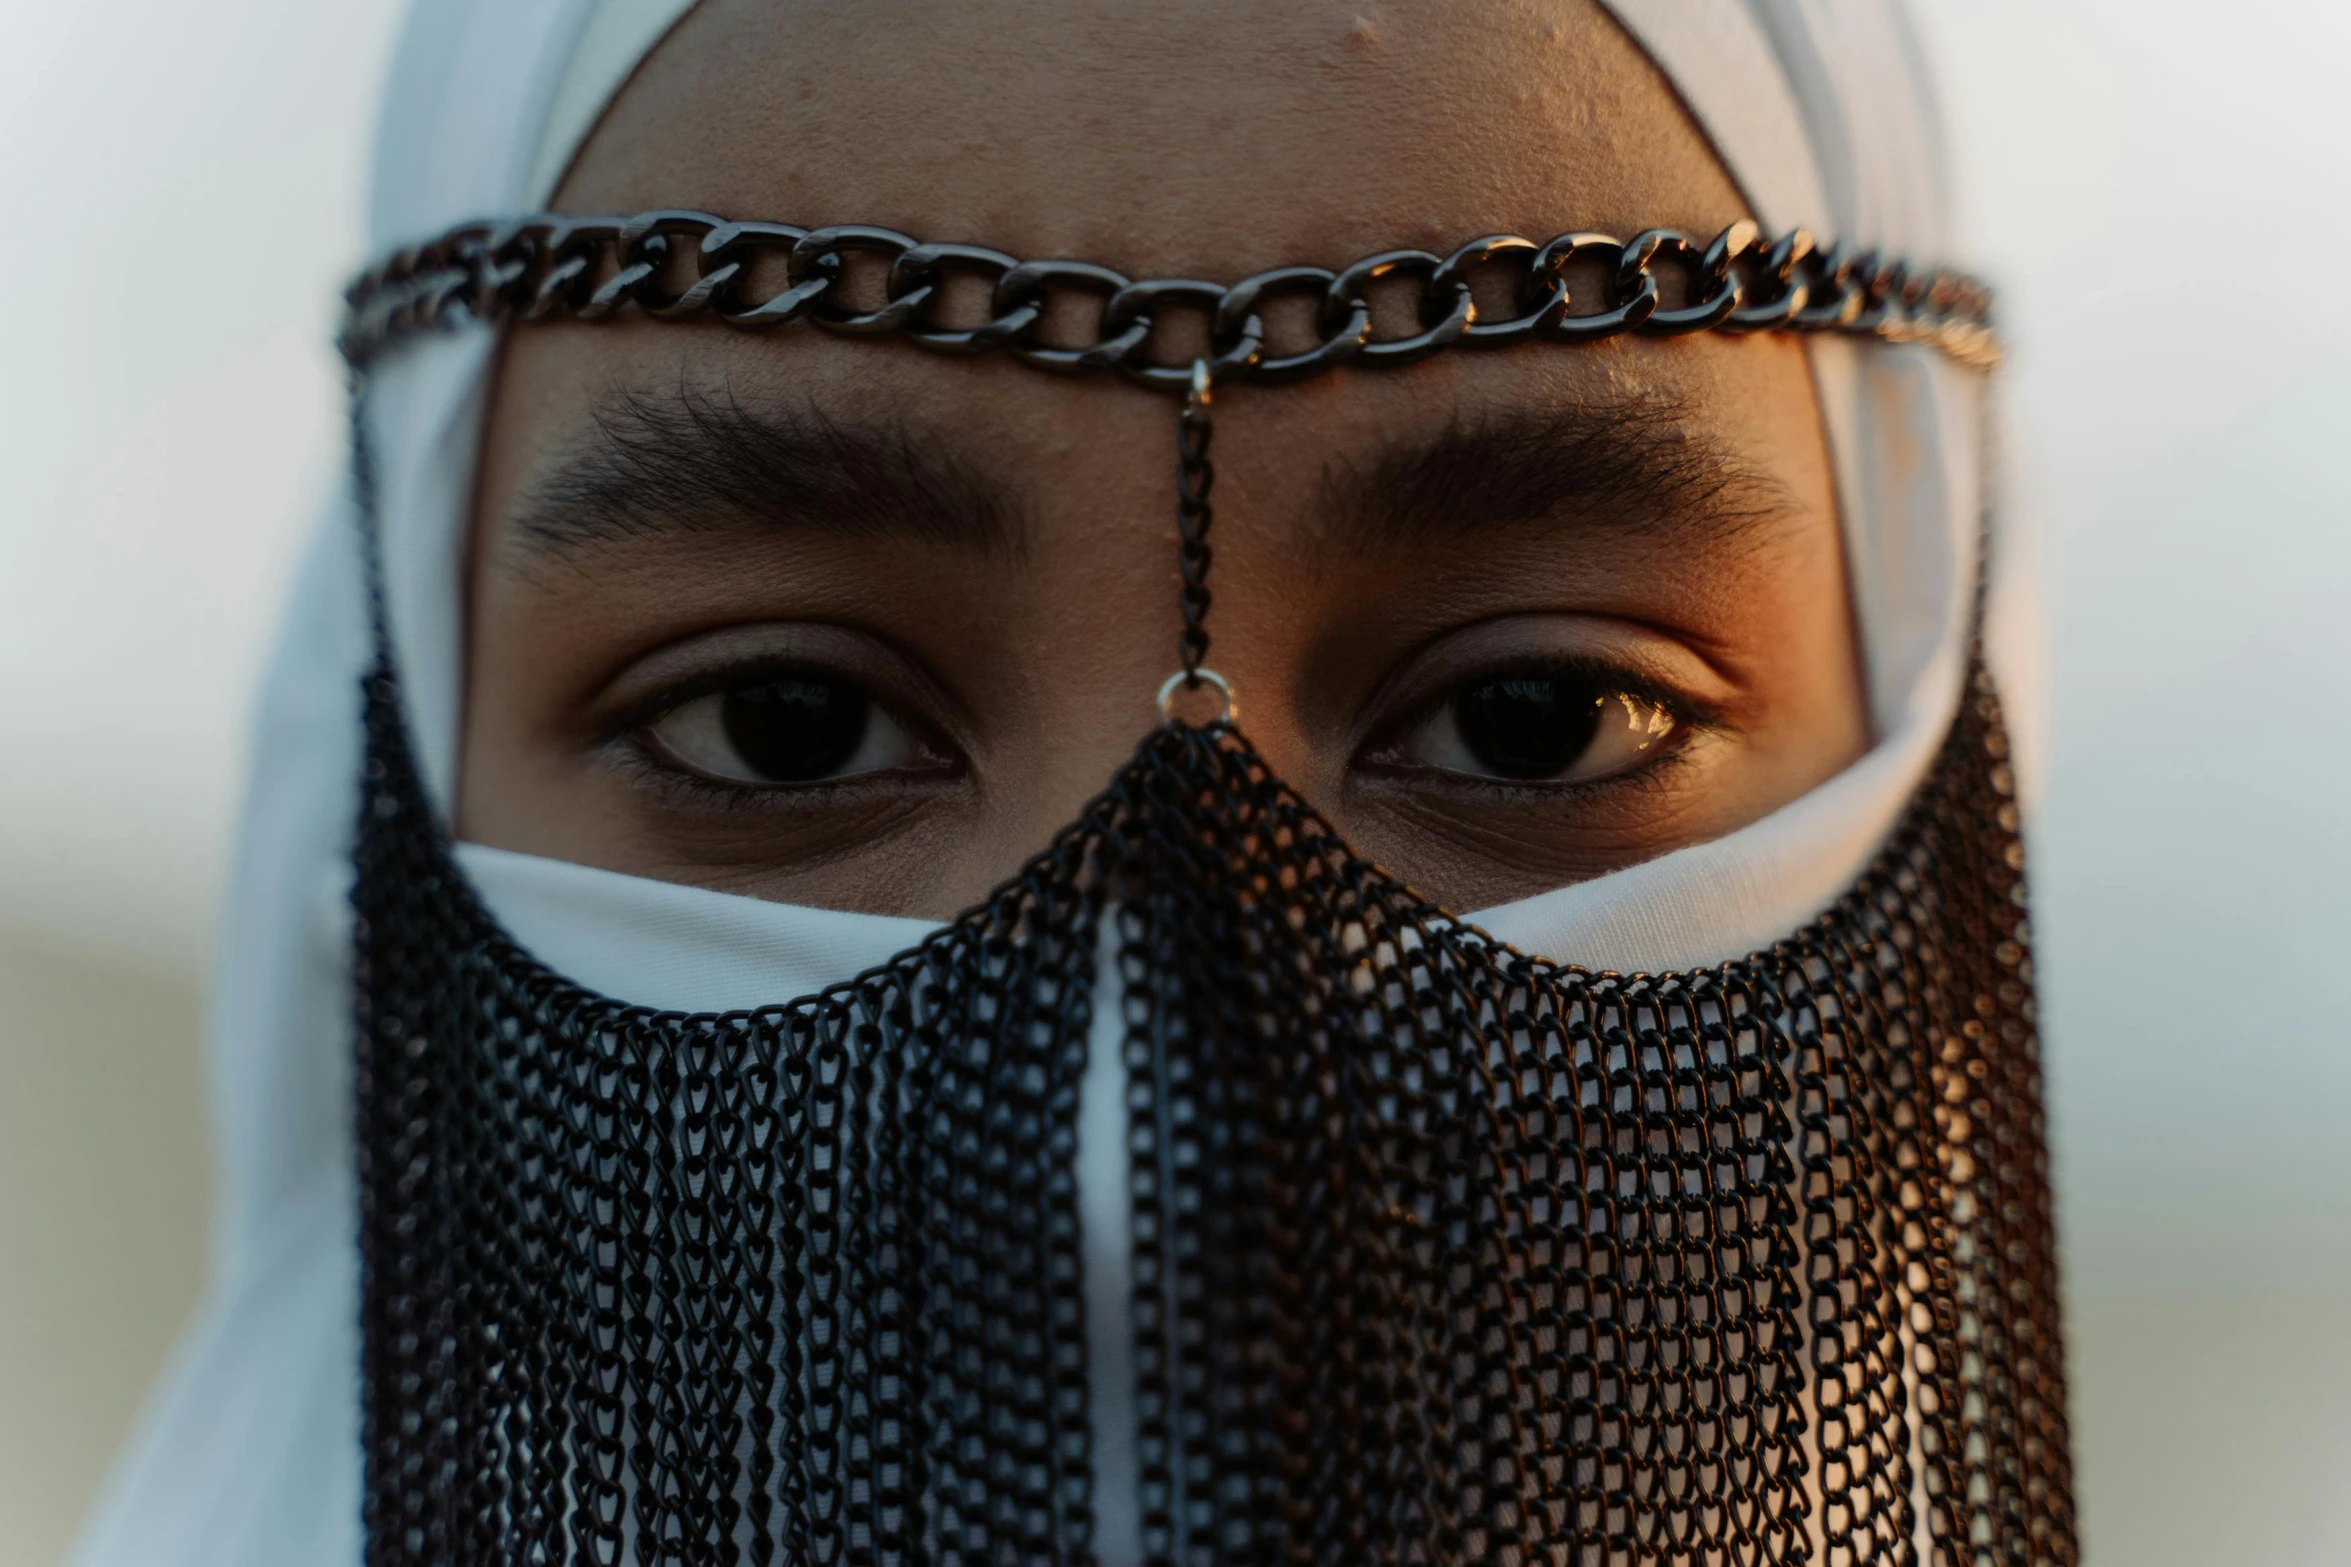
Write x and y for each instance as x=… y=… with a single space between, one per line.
x=1194 y=479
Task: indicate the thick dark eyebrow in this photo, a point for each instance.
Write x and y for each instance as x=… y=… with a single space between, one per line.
x=693 y=460
x=1644 y=466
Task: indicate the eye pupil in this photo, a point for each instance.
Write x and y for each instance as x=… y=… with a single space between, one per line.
x=1528 y=726
x=797 y=729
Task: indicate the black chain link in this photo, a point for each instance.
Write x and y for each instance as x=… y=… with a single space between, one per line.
x=1194 y=479
x=675 y=264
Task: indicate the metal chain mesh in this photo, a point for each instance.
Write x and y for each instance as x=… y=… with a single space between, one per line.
x=1443 y=1253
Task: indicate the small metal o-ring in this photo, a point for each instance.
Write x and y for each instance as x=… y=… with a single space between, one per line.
x=1180 y=680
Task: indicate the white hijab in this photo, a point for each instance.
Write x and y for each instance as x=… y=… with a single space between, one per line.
x=249 y=1450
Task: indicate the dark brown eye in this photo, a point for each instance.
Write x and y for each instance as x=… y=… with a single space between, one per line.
x=1536 y=726
x=1528 y=725
x=794 y=728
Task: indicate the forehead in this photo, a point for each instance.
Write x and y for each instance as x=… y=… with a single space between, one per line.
x=1206 y=138
x=1210 y=137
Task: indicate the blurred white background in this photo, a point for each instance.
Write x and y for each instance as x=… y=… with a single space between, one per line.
x=2163 y=190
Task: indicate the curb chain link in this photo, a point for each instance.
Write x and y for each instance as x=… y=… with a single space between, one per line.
x=676 y=264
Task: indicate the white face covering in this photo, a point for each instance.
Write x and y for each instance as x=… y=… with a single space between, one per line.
x=250 y=1451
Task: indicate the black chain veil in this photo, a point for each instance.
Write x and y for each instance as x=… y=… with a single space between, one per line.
x=1441 y=1253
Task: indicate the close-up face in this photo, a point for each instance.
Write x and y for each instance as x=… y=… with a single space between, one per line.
x=842 y=623
x=1121 y=782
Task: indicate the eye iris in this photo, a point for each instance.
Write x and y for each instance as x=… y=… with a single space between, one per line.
x=1528 y=726
x=796 y=730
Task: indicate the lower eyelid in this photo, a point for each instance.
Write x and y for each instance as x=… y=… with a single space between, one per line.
x=1654 y=771
x=637 y=760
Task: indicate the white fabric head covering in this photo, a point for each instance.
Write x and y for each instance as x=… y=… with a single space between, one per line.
x=249 y=1450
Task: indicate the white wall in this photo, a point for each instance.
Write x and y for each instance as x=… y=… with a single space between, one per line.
x=2161 y=188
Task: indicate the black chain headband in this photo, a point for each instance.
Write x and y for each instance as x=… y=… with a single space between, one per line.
x=674 y=264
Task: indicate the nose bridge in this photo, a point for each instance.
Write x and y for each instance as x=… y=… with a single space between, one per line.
x=1098 y=628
